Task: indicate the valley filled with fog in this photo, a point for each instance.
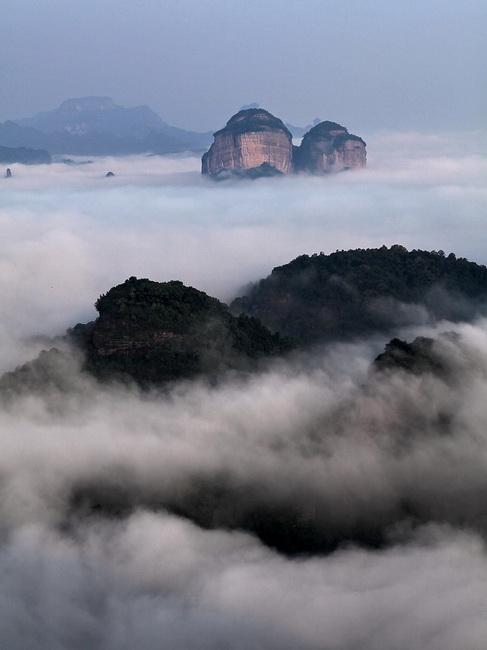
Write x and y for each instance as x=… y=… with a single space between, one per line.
x=317 y=437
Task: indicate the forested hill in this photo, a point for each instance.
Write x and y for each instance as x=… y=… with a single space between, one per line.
x=350 y=293
x=159 y=331
x=150 y=333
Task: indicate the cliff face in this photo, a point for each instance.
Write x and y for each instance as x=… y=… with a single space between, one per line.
x=329 y=147
x=250 y=139
x=253 y=138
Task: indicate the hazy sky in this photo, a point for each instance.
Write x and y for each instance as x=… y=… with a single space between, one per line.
x=368 y=64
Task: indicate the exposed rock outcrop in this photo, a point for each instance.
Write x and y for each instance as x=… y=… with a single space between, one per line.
x=329 y=147
x=254 y=140
x=250 y=139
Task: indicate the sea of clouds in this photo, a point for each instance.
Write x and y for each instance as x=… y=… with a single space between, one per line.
x=317 y=436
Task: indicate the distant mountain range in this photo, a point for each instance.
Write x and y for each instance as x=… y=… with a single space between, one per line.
x=97 y=126
x=152 y=334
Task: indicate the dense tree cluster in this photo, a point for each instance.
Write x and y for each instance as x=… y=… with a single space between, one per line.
x=349 y=293
x=419 y=356
x=160 y=331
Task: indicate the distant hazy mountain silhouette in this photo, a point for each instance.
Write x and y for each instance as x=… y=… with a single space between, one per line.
x=98 y=126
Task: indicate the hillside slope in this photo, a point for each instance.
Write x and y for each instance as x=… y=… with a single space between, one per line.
x=352 y=293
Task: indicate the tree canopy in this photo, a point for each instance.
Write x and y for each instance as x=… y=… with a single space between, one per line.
x=348 y=293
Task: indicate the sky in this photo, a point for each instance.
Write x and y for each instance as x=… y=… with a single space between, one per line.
x=376 y=64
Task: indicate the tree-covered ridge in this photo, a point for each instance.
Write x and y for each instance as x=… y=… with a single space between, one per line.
x=159 y=331
x=151 y=333
x=144 y=304
x=419 y=356
x=353 y=292
x=253 y=120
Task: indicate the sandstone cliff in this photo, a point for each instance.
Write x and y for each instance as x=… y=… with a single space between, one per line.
x=251 y=138
x=329 y=147
x=255 y=143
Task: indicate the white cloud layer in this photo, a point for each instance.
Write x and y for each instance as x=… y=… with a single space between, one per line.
x=303 y=437
x=70 y=233
x=317 y=438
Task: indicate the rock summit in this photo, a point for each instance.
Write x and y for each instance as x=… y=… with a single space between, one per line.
x=256 y=143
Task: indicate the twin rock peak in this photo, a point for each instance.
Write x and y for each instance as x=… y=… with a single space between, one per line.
x=254 y=143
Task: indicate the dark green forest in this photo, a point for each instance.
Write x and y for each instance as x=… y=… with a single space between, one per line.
x=352 y=293
x=159 y=331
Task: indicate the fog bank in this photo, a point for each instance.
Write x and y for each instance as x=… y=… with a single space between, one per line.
x=70 y=233
x=157 y=520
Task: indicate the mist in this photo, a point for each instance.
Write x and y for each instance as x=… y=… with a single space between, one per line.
x=101 y=543
x=70 y=233
x=321 y=443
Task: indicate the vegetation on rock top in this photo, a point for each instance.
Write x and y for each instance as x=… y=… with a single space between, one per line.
x=252 y=120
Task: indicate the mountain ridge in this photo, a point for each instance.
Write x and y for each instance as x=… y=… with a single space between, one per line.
x=98 y=126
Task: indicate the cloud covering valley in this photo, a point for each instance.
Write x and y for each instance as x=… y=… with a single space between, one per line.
x=157 y=520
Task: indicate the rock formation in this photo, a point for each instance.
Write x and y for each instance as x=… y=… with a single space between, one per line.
x=329 y=147
x=254 y=142
x=251 y=138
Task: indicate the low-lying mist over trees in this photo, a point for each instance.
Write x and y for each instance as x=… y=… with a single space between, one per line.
x=319 y=498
